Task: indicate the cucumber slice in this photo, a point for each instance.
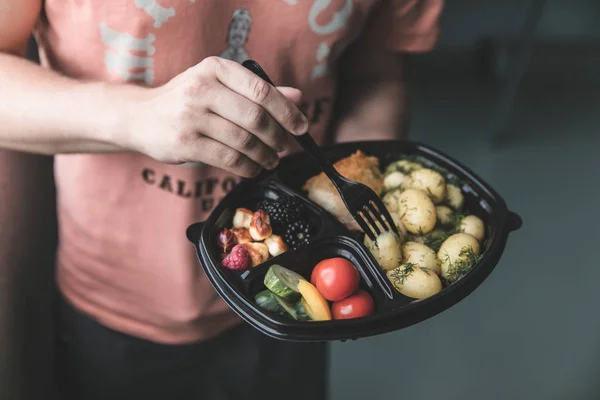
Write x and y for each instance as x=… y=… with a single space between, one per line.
x=268 y=301
x=283 y=282
x=288 y=307
x=301 y=314
x=272 y=303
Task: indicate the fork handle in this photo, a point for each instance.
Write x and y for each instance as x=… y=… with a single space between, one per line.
x=305 y=140
x=312 y=148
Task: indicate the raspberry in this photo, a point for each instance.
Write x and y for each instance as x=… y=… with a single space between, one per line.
x=238 y=260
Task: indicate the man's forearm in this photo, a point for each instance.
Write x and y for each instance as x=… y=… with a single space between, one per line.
x=373 y=110
x=44 y=112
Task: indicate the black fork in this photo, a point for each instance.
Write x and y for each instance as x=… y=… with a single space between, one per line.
x=364 y=204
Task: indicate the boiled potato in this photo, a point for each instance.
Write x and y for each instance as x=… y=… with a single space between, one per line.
x=433 y=239
x=420 y=255
x=400 y=227
x=437 y=234
x=416 y=211
x=417 y=238
x=403 y=166
x=456 y=255
x=386 y=250
x=429 y=181
x=414 y=282
x=444 y=215
x=454 y=197
x=472 y=225
x=396 y=221
x=394 y=180
x=390 y=200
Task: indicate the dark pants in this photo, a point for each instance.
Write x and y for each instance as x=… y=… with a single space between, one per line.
x=99 y=363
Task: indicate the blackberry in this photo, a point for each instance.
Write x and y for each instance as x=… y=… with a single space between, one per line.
x=282 y=212
x=297 y=234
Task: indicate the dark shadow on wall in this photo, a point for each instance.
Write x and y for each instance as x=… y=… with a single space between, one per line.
x=28 y=240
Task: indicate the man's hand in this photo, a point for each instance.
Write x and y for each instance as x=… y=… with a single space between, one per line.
x=218 y=113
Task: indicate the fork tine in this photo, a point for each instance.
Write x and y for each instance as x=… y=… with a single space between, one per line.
x=367 y=215
x=365 y=227
x=391 y=222
x=384 y=215
x=385 y=225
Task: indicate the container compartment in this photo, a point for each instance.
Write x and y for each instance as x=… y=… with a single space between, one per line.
x=322 y=225
x=393 y=310
x=303 y=261
x=239 y=290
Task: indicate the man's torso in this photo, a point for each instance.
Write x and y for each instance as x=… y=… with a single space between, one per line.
x=123 y=256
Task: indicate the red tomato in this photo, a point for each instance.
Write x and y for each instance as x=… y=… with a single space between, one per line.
x=335 y=278
x=358 y=305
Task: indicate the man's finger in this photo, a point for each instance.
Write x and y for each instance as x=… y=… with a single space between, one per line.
x=241 y=80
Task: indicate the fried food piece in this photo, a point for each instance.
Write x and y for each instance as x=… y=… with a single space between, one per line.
x=357 y=167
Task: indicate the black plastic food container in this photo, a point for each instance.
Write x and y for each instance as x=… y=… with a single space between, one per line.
x=393 y=310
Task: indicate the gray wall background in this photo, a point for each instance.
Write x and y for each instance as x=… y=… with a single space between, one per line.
x=532 y=330
x=466 y=21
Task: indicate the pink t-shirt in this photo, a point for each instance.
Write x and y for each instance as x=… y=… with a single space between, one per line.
x=123 y=256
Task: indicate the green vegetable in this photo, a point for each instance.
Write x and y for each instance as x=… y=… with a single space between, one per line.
x=289 y=308
x=405 y=165
x=272 y=303
x=269 y=301
x=467 y=260
x=301 y=314
x=283 y=282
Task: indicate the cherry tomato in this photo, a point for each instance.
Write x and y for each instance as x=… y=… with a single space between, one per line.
x=358 y=305
x=335 y=278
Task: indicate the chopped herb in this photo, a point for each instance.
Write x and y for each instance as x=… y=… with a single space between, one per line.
x=458 y=216
x=436 y=242
x=450 y=179
x=466 y=261
x=399 y=275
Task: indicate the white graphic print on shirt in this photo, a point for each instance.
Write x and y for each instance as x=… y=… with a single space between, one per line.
x=322 y=54
x=123 y=62
x=119 y=59
x=237 y=36
x=159 y=13
x=339 y=20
